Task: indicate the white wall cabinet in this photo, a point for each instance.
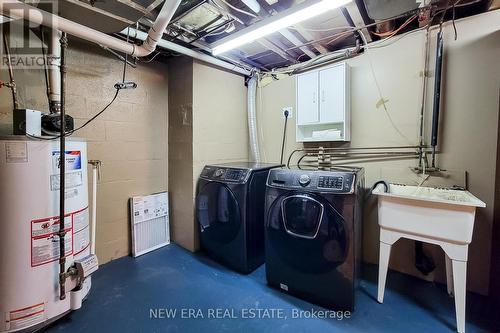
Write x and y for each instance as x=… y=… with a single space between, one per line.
x=308 y=88
x=323 y=104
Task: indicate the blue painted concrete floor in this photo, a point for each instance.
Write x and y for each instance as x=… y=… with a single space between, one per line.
x=128 y=293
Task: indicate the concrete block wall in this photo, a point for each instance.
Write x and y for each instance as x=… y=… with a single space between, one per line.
x=180 y=157
x=130 y=138
x=208 y=124
x=220 y=124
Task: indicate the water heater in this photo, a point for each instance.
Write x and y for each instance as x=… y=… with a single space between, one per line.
x=29 y=224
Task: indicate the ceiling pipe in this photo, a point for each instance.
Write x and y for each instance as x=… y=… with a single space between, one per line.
x=20 y=10
x=137 y=34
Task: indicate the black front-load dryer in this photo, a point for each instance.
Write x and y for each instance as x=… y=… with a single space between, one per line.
x=313 y=234
x=230 y=213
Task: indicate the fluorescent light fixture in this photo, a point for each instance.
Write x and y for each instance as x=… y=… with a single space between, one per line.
x=299 y=13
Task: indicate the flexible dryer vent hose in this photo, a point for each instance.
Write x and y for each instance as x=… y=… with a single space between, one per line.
x=252 y=119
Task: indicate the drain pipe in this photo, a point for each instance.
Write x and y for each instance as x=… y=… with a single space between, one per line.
x=96 y=167
x=19 y=10
x=252 y=119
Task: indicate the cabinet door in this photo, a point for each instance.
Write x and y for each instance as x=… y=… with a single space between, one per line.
x=307 y=98
x=332 y=90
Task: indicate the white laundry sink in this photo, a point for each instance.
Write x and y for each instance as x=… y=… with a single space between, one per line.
x=445 y=215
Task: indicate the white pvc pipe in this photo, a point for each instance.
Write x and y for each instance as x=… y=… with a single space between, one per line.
x=184 y=50
x=19 y=10
x=252 y=119
x=94 y=207
x=156 y=32
x=54 y=69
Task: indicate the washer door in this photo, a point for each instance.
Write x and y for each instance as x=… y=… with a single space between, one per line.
x=218 y=213
x=306 y=232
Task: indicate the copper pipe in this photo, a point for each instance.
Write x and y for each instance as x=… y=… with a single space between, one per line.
x=12 y=83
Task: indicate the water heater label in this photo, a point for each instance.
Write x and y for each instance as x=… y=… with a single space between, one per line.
x=16 y=152
x=24 y=317
x=73 y=160
x=81 y=235
x=72 y=179
x=74 y=175
x=45 y=241
x=81 y=219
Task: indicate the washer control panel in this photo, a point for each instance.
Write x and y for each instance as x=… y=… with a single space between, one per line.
x=231 y=175
x=314 y=181
x=333 y=182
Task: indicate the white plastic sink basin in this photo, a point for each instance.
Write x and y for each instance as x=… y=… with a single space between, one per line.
x=446 y=215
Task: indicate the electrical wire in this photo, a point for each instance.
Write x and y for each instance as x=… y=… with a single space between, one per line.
x=394 y=32
x=125 y=63
x=154 y=57
x=97 y=115
x=382 y=100
x=68 y=133
x=348 y=27
x=378 y=44
x=226 y=29
x=453 y=18
x=237 y=9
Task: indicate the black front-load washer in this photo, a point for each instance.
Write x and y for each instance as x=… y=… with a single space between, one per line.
x=230 y=213
x=313 y=234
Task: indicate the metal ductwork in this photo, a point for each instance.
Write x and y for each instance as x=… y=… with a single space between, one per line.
x=379 y=10
x=108 y=16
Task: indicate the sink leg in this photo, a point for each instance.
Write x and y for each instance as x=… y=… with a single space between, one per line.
x=385 y=253
x=449 y=275
x=459 y=287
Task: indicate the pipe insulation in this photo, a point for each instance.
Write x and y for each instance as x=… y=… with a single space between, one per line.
x=19 y=10
x=137 y=34
x=437 y=96
x=252 y=119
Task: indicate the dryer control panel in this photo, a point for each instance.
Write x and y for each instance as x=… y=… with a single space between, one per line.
x=230 y=175
x=313 y=180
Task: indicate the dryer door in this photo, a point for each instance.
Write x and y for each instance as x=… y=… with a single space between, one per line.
x=306 y=232
x=218 y=212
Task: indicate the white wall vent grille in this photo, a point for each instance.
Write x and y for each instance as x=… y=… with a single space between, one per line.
x=150 y=227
